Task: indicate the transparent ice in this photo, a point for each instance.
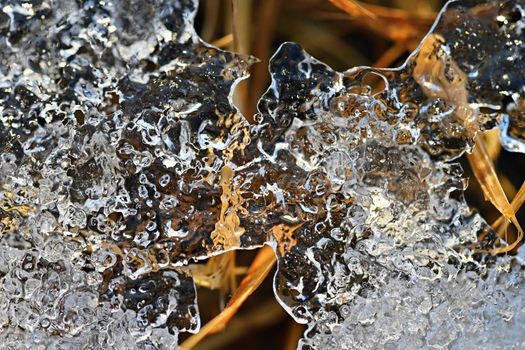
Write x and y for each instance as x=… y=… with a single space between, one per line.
x=385 y=252
x=123 y=160
x=110 y=116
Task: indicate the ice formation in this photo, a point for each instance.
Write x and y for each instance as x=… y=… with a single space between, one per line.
x=123 y=160
x=384 y=251
x=115 y=124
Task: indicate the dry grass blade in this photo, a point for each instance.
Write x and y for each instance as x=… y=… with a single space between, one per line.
x=257 y=272
x=395 y=14
x=264 y=314
x=483 y=169
x=242 y=17
x=518 y=200
x=211 y=10
x=501 y=224
x=393 y=24
x=223 y=42
x=266 y=23
x=492 y=143
x=353 y=8
x=484 y=172
x=219 y=272
x=391 y=55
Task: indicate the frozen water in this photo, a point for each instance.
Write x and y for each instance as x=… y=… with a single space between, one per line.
x=384 y=250
x=123 y=160
x=115 y=122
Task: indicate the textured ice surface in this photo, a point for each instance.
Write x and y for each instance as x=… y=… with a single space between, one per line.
x=123 y=159
x=382 y=252
x=463 y=311
x=115 y=124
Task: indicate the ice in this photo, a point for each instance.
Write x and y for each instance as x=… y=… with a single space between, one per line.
x=386 y=254
x=115 y=122
x=462 y=312
x=123 y=160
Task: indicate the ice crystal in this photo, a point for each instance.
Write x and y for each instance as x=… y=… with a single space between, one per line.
x=123 y=160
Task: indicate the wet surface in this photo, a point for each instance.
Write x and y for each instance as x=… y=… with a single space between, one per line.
x=123 y=160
